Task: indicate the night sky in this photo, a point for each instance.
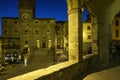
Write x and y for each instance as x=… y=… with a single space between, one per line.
x=44 y=9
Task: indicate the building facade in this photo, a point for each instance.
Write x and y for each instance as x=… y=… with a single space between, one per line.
x=87 y=38
x=116 y=28
x=32 y=32
x=61 y=34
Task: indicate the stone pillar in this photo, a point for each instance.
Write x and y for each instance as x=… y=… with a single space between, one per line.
x=75 y=39
x=94 y=35
x=104 y=39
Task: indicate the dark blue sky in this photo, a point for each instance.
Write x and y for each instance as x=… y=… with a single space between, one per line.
x=44 y=9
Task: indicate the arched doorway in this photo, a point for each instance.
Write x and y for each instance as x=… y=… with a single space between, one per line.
x=44 y=45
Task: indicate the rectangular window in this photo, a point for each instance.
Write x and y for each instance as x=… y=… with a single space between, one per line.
x=117 y=23
x=26 y=32
x=5 y=31
x=116 y=33
x=36 y=32
x=88 y=28
x=89 y=37
x=26 y=42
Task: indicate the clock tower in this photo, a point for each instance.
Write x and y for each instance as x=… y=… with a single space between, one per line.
x=26 y=9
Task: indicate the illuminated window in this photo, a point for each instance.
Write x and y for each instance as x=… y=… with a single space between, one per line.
x=117 y=23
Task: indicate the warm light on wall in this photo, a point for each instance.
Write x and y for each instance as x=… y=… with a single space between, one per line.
x=38 y=43
x=84 y=36
x=42 y=72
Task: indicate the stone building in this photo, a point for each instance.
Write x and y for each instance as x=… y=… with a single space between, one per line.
x=87 y=37
x=61 y=41
x=32 y=32
x=61 y=34
x=116 y=29
x=35 y=33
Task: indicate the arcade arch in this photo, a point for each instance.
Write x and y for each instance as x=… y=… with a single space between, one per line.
x=103 y=11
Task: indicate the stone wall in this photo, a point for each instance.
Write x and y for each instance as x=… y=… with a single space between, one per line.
x=71 y=72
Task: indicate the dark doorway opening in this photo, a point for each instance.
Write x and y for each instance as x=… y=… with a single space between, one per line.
x=44 y=45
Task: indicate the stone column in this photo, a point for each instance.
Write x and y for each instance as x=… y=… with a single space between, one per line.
x=104 y=39
x=75 y=39
x=94 y=35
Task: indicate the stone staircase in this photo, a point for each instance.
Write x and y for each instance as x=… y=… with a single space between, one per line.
x=41 y=52
x=41 y=56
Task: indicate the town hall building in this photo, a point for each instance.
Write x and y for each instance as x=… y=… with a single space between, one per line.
x=27 y=31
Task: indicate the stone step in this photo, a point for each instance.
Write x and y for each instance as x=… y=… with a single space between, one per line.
x=41 y=55
x=41 y=52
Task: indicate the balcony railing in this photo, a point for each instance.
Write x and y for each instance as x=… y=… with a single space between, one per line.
x=10 y=46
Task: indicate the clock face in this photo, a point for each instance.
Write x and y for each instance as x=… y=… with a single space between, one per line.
x=25 y=16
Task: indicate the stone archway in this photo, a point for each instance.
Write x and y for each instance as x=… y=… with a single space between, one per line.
x=104 y=10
